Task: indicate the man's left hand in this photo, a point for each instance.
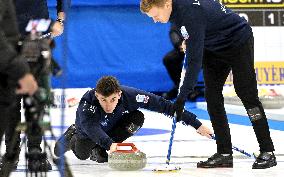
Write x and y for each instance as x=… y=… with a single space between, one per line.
x=205 y=131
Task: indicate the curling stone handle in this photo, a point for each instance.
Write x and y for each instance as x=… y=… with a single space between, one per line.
x=132 y=150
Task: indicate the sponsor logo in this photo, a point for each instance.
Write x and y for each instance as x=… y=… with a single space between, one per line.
x=142 y=98
x=253 y=3
x=266 y=73
x=184 y=33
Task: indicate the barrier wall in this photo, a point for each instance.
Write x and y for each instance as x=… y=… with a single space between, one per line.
x=113 y=40
x=112 y=37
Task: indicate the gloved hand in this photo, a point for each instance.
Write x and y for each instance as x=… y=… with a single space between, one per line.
x=179 y=108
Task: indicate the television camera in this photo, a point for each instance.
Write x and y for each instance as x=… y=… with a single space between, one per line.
x=36 y=50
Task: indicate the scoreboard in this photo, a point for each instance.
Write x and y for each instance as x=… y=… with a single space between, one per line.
x=258 y=12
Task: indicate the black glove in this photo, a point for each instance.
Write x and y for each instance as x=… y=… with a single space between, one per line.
x=179 y=108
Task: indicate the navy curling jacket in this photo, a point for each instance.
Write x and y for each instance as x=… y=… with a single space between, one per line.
x=209 y=25
x=93 y=123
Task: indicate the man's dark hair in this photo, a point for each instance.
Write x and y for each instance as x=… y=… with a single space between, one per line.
x=107 y=86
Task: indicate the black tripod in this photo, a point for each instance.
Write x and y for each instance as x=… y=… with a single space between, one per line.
x=37 y=52
x=34 y=126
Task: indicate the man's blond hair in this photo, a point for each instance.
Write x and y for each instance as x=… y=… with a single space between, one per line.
x=147 y=5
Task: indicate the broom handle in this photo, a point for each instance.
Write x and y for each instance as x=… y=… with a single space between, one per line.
x=238 y=149
x=174 y=118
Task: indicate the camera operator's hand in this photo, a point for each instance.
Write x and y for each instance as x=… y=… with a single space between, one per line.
x=57 y=29
x=27 y=85
x=58 y=26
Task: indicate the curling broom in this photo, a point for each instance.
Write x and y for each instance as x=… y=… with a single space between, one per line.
x=168 y=167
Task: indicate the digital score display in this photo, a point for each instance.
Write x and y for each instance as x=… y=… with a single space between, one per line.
x=259 y=12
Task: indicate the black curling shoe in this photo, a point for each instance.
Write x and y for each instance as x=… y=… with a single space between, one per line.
x=9 y=162
x=217 y=161
x=64 y=141
x=264 y=160
x=99 y=155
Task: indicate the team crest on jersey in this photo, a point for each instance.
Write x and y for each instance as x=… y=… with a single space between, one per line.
x=142 y=98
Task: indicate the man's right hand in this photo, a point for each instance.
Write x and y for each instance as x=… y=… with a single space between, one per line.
x=182 y=47
x=113 y=147
x=57 y=29
x=58 y=26
x=179 y=108
x=27 y=85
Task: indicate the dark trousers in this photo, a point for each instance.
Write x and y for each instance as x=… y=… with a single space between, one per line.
x=33 y=141
x=5 y=111
x=216 y=67
x=82 y=148
x=7 y=102
x=34 y=136
x=173 y=62
x=10 y=133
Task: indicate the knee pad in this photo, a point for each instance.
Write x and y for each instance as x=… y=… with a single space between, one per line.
x=138 y=118
x=136 y=123
x=133 y=128
x=254 y=114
